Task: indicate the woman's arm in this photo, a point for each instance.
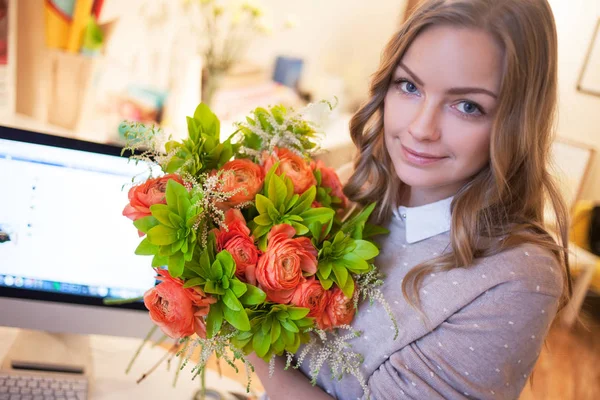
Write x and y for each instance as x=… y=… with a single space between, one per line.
x=485 y=351
x=284 y=385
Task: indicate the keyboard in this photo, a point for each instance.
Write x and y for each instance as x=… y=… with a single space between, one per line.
x=21 y=386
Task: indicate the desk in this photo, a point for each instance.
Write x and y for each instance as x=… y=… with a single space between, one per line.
x=110 y=357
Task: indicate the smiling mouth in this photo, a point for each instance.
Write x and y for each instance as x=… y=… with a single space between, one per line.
x=419 y=159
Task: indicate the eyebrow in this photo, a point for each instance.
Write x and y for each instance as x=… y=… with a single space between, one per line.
x=455 y=90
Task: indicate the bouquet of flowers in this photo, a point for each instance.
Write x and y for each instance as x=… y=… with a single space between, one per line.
x=254 y=243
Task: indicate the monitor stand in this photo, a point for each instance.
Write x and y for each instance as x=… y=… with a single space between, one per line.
x=38 y=351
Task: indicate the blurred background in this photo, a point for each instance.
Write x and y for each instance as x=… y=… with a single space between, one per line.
x=78 y=68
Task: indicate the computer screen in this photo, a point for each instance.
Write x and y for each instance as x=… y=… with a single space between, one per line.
x=62 y=232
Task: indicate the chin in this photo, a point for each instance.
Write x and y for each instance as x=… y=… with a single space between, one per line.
x=416 y=177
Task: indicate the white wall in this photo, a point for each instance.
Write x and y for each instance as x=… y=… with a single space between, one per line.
x=579 y=114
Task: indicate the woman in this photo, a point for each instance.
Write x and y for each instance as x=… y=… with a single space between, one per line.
x=453 y=146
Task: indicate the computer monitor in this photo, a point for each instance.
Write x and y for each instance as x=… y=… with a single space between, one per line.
x=64 y=243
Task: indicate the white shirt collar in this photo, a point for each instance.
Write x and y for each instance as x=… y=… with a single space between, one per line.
x=426 y=221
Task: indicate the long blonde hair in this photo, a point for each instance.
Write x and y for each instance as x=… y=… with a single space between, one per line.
x=508 y=194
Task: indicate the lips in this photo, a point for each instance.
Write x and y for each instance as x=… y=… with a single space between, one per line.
x=419 y=159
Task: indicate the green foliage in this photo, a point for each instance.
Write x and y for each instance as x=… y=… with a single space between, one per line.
x=170 y=230
x=357 y=226
x=277 y=126
x=324 y=196
x=279 y=205
x=202 y=151
x=215 y=275
x=275 y=329
x=348 y=253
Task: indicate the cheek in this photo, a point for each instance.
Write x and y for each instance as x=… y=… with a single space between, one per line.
x=470 y=144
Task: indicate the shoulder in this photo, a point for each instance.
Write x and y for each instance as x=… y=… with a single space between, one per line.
x=527 y=268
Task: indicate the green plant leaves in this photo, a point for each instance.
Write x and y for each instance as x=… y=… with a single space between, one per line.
x=275 y=329
x=168 y=237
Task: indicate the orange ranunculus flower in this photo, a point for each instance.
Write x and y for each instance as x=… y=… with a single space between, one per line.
x=244 y=176
x=142 y=196
x=339 y=310
x=294 y=167
x=237 y=240
x=312 y=295
x=178 y=312
x=330 y=179
x=282 y=267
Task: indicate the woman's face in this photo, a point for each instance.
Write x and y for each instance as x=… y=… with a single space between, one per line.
x=439 y=110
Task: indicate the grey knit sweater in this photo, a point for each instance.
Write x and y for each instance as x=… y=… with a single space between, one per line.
x=486 y=326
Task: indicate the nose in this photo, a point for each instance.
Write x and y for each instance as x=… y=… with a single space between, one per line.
x=425 y=124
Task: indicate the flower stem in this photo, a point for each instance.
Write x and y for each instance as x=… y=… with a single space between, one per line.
x=115 y=302
x=137 y=353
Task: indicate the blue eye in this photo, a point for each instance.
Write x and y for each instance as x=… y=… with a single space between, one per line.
x=405 y=86
x=408 y=87
x=469 y=108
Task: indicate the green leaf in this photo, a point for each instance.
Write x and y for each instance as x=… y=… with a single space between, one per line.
x=304 y=202
x=176 y=263
x=291 y=197
x=162 y=235
x=208 y=120
x=238 y=287
x=262 y=243
x=287 y=336
x=300 y=229
x=262 y=203
x=175 y=219
x=194 y=282
x=289 y=325
x=216 y=271
x=341 y=274
x=293 y=200
x=159 y=261
x=253 y=296
x=261 y=343
x=231 y=301
x=174 y=191
x=214 y=320
x=365 y=250
x=213 y=288
x=239 y=319
x=348 y=288
x=277 y=191
x=315 y=218
x=161 y=212
x=263 y=220
x=354 y=263
x=325 y=268
x=275 y=330
x=183 y=205
x=145 y=224
x=371 y=230
x=261 y=231
x=227 y=262
x=326 y=283
x=298 y=312
x=145 y=248
x=273 y=213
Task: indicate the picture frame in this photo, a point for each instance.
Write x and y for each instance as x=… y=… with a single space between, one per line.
x=589 y=77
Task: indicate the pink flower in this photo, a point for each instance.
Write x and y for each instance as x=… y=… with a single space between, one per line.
x=245 y=176
x=281 y=269
x=237 y=240
x=339 y=310
x=142 y=196
x=329 y=179
x=178 y=312
x=294 y=167
x=311 y=294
